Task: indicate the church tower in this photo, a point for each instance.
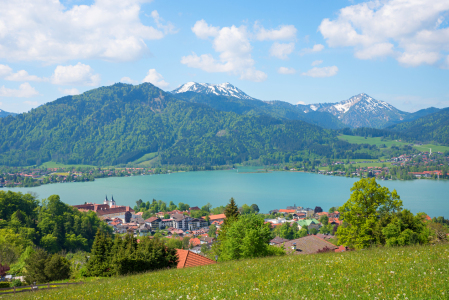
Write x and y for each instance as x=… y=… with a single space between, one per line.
x=112 y=203
x=106 y=201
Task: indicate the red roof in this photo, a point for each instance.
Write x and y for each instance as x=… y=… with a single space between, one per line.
x=189 y=259
x=340 y=249
x=195 y=242
x=289 y=211
x=217 y=217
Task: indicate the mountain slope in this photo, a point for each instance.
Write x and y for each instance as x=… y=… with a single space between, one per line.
x=223 y=89
x=430 y=128
x=5 y=113
x=364 y=111
x=121 y=123
x=254 y=107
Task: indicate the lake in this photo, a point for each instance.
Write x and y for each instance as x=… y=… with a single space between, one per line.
x=267 y=190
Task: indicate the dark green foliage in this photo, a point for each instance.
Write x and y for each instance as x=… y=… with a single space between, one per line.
x=121 y=123
x=128 y=255
x=247 y=237
x=255 y=208
x=231 y=211
x=313 y=231
x=42 y=268
x=430 y=128
x=99 y=263
x=275 y=109
x=4 y=285
x=212 y=230
x=57 y=268
x=52 y=225
x=35 y=266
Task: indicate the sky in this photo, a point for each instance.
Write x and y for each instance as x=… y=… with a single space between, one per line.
x=296 y=51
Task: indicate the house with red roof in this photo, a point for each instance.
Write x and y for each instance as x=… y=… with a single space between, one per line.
x=195 y=242
x=188 y=259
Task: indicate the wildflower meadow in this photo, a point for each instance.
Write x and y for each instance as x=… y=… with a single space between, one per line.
x=415 y=272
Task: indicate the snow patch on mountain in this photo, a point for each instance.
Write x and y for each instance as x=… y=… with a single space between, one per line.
x=222 y=89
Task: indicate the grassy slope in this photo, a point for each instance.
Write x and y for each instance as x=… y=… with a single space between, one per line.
x=419 y=272
x=377 y=141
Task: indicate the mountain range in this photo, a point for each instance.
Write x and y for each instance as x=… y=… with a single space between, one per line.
x=5 y=113
x=122 y=124
x=358 y=111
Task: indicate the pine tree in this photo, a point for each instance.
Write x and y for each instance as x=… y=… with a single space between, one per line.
x=35 y=266
x=57 y=268
x=99 y=262
x=231 y=210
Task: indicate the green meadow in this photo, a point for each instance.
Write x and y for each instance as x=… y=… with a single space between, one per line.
x=417 y=272
x=388 y=143
x=52 y=164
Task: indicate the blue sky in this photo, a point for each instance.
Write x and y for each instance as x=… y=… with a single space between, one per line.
x=295 y=51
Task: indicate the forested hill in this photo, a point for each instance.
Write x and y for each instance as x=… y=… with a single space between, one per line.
x=121 y=123
x=430 y=128
x=276 y=109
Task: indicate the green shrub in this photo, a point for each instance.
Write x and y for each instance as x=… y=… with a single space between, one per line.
x=4 y=285
x=15 y=282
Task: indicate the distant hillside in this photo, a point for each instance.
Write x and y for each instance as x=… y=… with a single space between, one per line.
x=121 y=123
x=430 y=128
x=254 y=107
x=5 y=113
x=358 y=111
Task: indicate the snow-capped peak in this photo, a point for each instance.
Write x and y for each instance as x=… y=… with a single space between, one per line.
x=222 y=89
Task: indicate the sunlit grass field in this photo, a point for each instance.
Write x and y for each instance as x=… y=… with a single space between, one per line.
x=378 y=142
x=419 y=272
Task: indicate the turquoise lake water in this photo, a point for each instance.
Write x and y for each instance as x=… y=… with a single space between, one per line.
x=268 y=190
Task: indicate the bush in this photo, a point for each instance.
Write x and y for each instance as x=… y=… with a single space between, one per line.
x=15 y=282
x=4 y=285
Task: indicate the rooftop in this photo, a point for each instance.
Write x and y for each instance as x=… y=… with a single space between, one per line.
x=189 y=259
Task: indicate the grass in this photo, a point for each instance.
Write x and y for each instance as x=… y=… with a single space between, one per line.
x=146 y=157
x=378 y=142
x=418 y=272
x=52 y=164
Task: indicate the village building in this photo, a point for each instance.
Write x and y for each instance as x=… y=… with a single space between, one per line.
x=108 y=209
x=308 y=245
x=188 y=258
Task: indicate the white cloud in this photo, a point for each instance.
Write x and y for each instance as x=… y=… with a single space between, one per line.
x=321 y=72
x=25 y=91
x=317 y=62
x=156 y=79
x=128 y=80
x=79 y=74
x=315 y=48
x=168 y=29
x=418 y=58
x=235 y=52
x=72 y=91
x=50 y=32
x=301 y=103
x=285 y=32
x=7 y=73
x=408 y=30
x=202 y=30
x=285 y=70
x=281 y=51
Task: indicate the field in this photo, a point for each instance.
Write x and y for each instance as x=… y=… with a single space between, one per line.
x=419 y=272
x=52 y=164
x=377 y=141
